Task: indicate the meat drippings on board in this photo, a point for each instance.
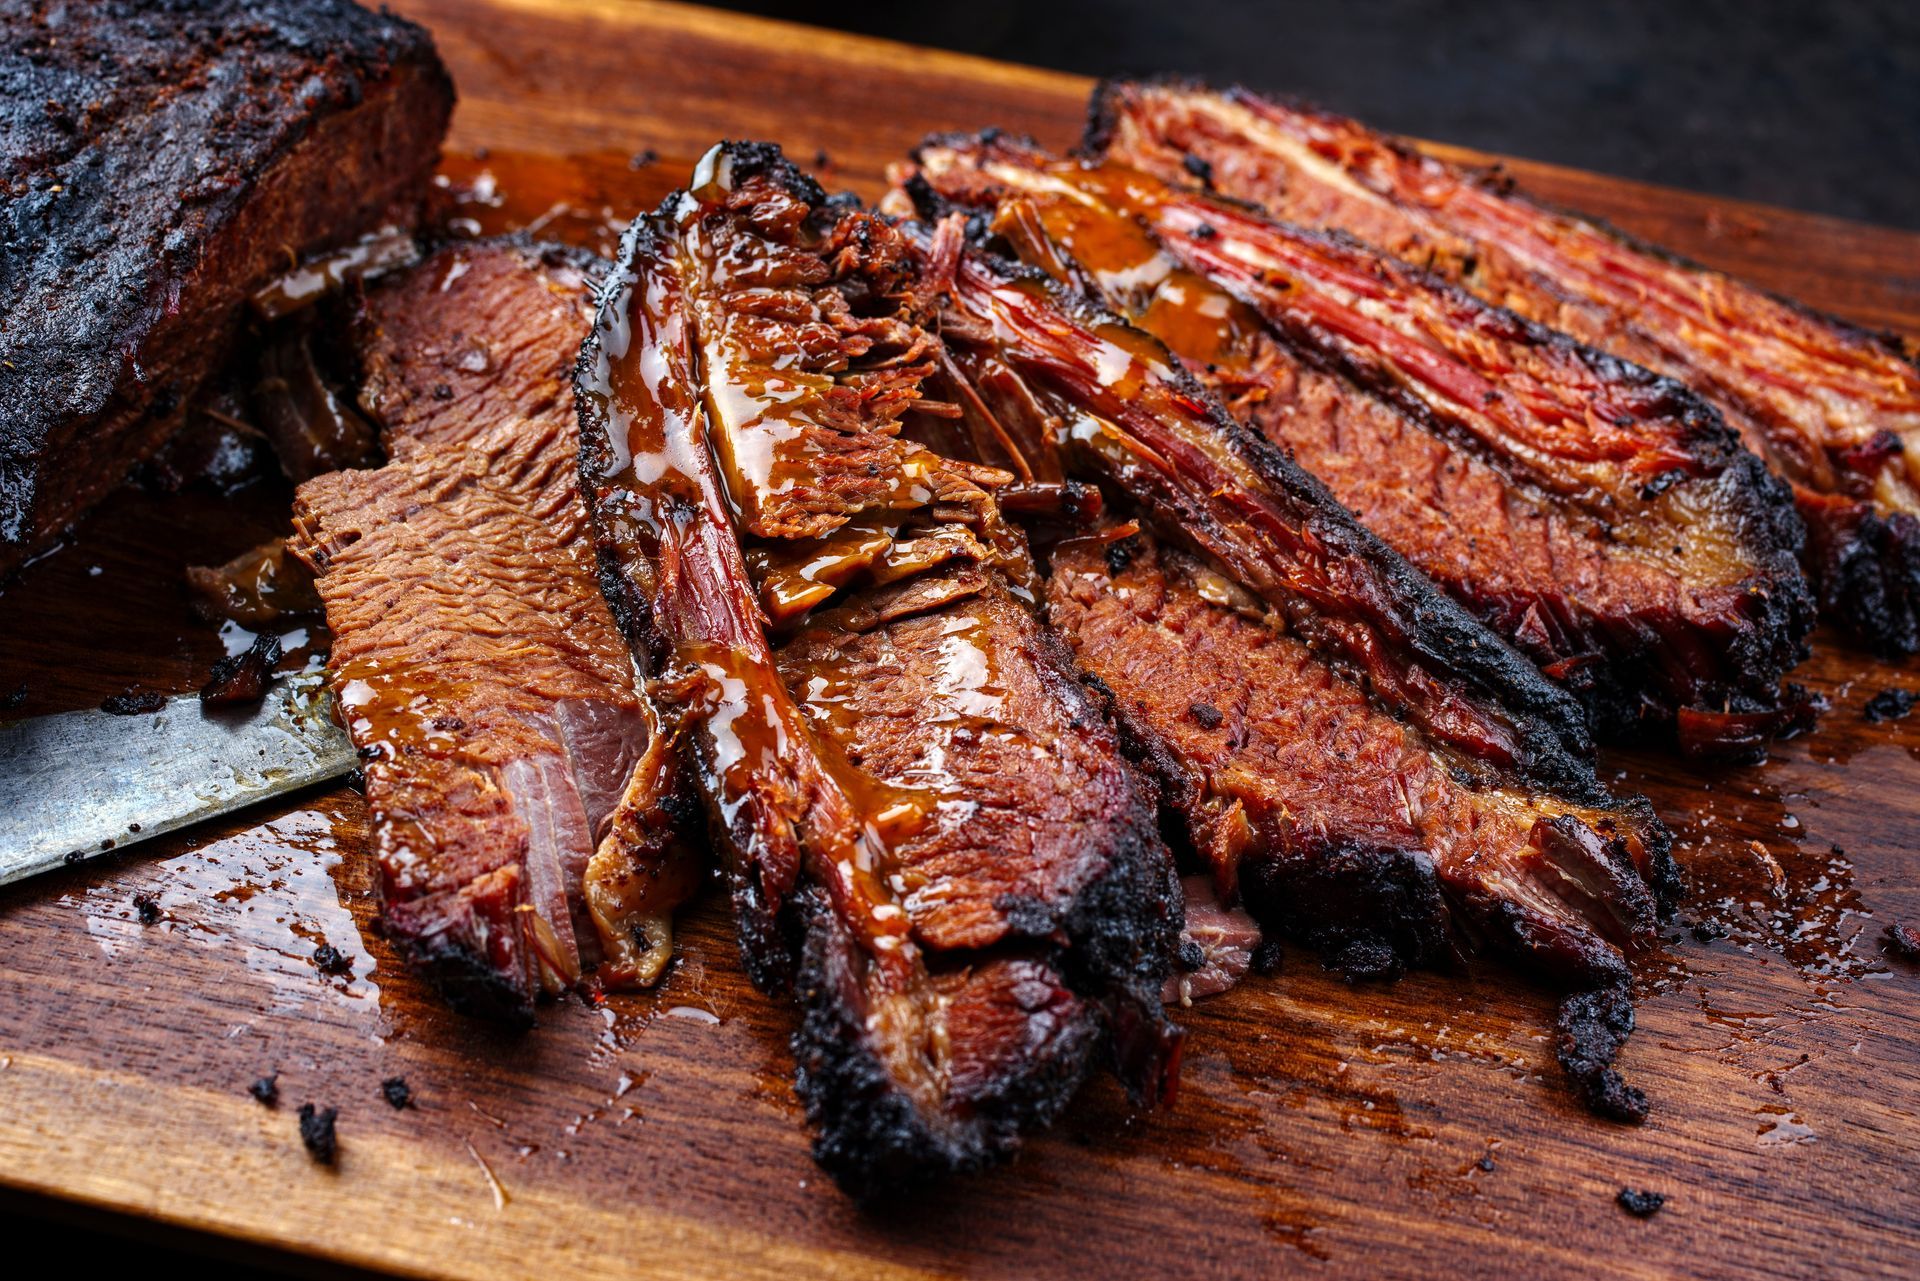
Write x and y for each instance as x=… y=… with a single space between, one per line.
x=1831 y=408
x=1600 y=516
x=902 y=772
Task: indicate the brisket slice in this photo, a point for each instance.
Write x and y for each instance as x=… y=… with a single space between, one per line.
x=1833 y=409
x=930 y=832
x=478 y=334
x=1598 y=515
x=478 y=672
x=1454 y=722
x=1332 y=819
x=1037 y=831
x=1335 y=823
x=158 y=161
x=474 y=655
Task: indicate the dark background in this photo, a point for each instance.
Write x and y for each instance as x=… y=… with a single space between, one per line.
x=1814 y=106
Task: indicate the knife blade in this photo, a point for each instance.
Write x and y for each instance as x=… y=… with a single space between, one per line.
x=76 y=784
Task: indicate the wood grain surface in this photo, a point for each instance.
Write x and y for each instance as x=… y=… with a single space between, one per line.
x=1400 y=1130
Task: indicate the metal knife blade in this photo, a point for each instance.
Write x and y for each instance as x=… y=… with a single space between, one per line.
x=78 y=783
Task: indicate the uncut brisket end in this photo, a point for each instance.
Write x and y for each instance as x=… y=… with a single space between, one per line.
x=525 y=807
x=158 y=162
x=1598 y=515
x=1315 y=639
x=930 y=832
x=1831 y=408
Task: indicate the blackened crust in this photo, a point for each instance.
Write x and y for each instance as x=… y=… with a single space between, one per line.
x=1592 y=1027
x=157 y=162
x=467 y=982
x=1867 y=568
x=869 y=1135
x=1371 y=913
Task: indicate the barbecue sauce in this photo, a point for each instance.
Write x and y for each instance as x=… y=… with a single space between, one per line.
x=782 y=792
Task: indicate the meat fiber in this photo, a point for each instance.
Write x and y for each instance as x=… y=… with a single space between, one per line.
x=480 y=334
x=493 y=702
x=1599 y=516
x=1392 y=765
x=1833 y=409
x=900 y=768
x=158 y=161
x=522 y=792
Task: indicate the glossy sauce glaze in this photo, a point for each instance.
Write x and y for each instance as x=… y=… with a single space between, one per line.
x=780 y=793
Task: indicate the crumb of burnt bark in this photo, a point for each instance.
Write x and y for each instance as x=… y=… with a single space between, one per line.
x=1267 y=957
x=1198 y=167
x=442 y=391
x=1890 y=705
x=317 y=1132
x=1207 y=714
x=1592 y=1027
x=147 y=908
x=1903 y=941
x=243 y=678
x=641 y=159
x=134 y=702
x=1486 y=1164
x=74 y=856
x=13 y=698
x=1192 y=956
x=329 y=959
x=821 y=159
x=1706 y=932
x=357 y=780
x=1205 y=231
x=266 y=1090
x=396 y=1092
x=1364 y=959
x=1642 y=1205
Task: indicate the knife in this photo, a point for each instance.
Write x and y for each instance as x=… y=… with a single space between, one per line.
x=80 y=783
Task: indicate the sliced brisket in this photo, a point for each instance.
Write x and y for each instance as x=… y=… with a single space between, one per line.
x=1355 y=750
x=478 y=673
x=1835 y=410
x=479 y=334
x=158 y=161
x=522 y=793
x=1599 y=516
x=930 y=830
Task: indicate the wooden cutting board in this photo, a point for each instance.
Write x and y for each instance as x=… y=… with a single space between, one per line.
x=1396 y=1130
